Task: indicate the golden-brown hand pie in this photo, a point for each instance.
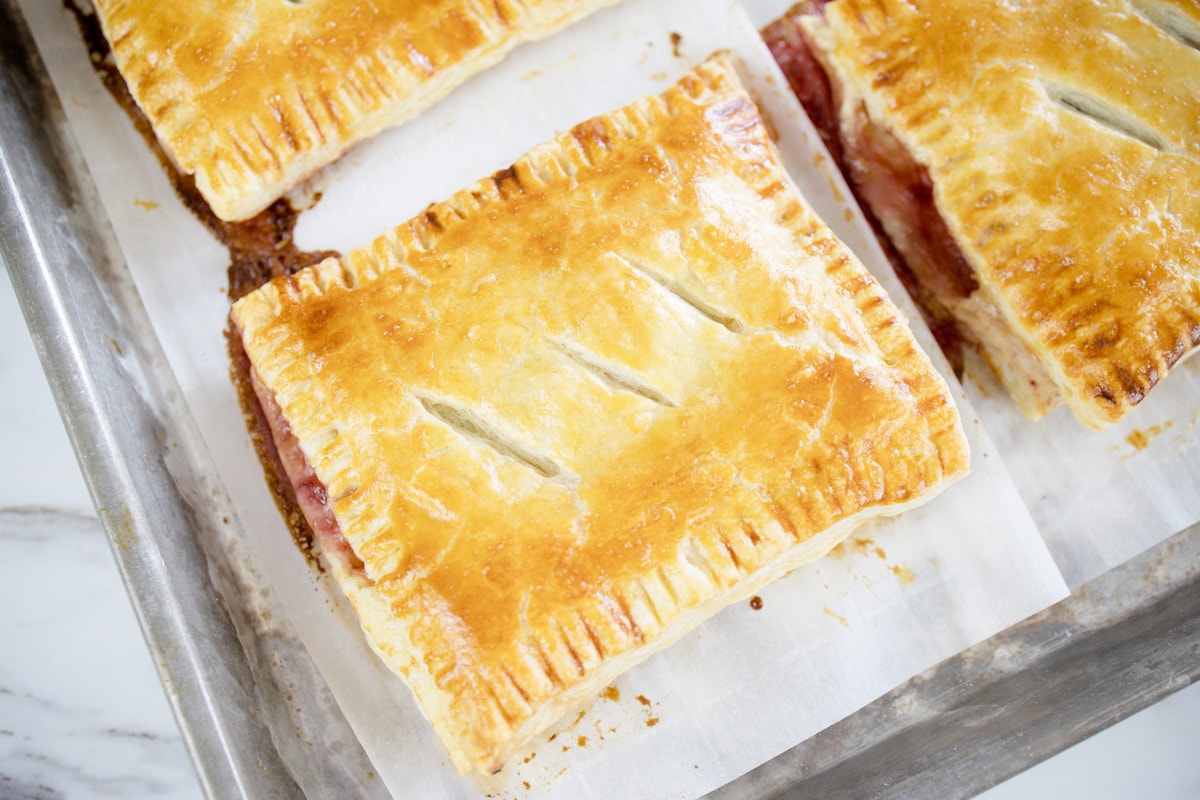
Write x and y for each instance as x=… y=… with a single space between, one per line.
x=251 y=96
x=1036 y=165
x=553 y=423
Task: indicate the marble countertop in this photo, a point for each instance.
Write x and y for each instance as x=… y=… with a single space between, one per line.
x=82 y=712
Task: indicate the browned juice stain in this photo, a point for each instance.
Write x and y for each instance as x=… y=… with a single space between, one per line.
x=260 y=248
x=148 y=205
x=864 y=546
x=837 y=193
x=648 y=706
x=676 y=41
x=1139 y=439
x=756 y=603
x=835 y=615
x=854 y=544
x=612 y=693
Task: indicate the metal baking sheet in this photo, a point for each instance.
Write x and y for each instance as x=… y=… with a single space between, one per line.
x=229 y=661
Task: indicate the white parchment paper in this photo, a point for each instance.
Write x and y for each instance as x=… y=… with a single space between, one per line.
x=899 y=597
x=1099 y=498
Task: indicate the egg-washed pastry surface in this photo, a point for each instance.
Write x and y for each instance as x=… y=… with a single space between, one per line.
x=1037 y=165
x=252 y=96
x=551 y=424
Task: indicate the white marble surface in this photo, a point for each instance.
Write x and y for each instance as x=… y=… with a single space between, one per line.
x=82 y=714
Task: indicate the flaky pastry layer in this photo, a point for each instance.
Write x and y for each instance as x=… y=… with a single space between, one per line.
x=567 y=414
x=252 y=96
x=1063 y=144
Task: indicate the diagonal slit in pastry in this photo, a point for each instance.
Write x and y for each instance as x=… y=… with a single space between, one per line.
x=472 y=426
x=612 y=374
x=513 y=521
x=689 y=298
x=1111 y=117
x=1179 y=21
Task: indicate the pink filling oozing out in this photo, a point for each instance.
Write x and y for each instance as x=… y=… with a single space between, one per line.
x=893 y=186
x=311 y=494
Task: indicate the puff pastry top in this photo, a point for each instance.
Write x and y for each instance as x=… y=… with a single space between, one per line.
x=586 y=398
x=251 y=96
x=1063 y=140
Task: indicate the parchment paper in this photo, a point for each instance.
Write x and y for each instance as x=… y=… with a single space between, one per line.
x=895 y=599
x=1102 y=497
x=1099 y=498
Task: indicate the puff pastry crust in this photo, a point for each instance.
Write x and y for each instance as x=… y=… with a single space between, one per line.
x=251 y=96
x=1062 y=142
x=582 y=405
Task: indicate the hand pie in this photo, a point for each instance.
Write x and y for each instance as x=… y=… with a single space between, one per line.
x=1036 y=166
x=553 y=423
x=251 y=98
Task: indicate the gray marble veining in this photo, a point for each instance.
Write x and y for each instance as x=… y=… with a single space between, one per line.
x=81 y=709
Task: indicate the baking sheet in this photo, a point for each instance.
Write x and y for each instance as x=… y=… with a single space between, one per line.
x=898 y=598
x=1099 y=498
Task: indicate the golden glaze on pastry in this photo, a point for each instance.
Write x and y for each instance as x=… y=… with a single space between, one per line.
x=584 y=404
x=1062 y=140
x=251 y=96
